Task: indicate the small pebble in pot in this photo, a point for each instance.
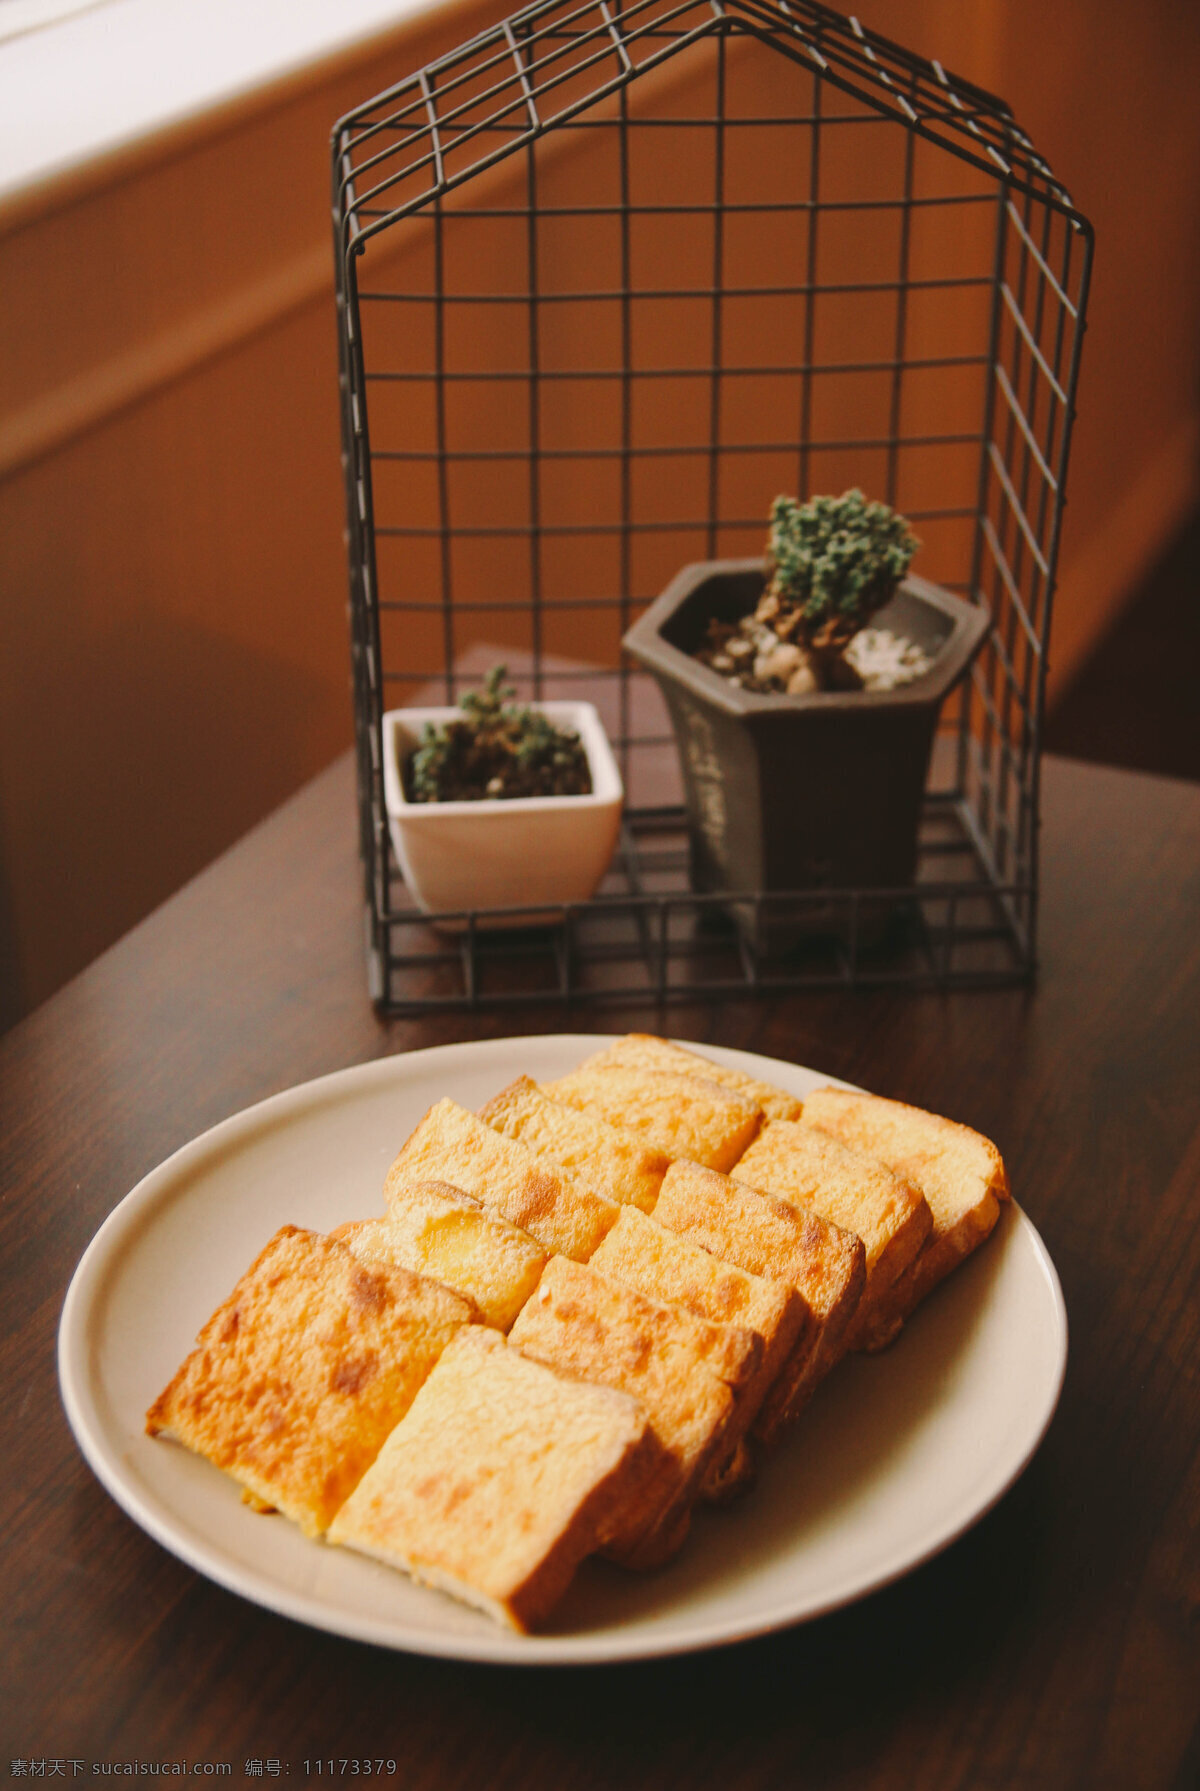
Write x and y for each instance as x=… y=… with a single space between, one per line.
x=778 y=662
x=801 y=680
x=759 y=659
x=884 y=660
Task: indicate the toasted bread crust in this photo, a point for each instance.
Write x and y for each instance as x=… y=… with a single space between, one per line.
x=937 y=1259
x=645 y=1051
x=959 y=1171
x=502 y=1477
x=668 y=1266
x=731 y=1473
x=817 y=1171
x=452 y=1145
x=733 y=1351
x=439 y=1231
x=765 y=1235
x=300 y=1374
x=682 y=1116
x=616 y=1163
x=583 y=1323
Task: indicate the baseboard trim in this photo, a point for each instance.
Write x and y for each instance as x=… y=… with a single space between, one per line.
x=84 y=403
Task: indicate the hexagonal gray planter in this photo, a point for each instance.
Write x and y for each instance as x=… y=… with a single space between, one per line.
x=800 y=792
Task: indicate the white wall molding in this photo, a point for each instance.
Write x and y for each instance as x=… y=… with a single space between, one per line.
x=95 y=87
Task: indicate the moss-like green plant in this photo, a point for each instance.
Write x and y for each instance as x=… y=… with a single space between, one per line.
x=833 y=562
x=497 y=749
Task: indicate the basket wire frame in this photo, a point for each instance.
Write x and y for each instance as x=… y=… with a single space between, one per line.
x=609 y=276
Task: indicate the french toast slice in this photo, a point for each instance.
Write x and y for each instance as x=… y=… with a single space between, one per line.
x=451 y=1145
x=667 y=1266
x=500 y=1479
x=816 y=1171
x=732 y=1349
x=959 y=1171
x=645 y=1051
x=616 y=1163
x=439 y=1231
x=682 y=1116
x=767 y=1236
x=583 y=1323
x=301 y=1373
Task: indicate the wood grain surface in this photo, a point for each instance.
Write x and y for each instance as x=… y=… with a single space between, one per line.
x=1056 y=1645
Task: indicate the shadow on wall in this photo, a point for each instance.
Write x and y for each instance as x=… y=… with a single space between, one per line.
x=10 y=1000
x=1133 y=702
x=162 y=710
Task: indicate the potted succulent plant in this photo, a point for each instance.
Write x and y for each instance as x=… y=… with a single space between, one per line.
x=498 y=805
x=801 y=772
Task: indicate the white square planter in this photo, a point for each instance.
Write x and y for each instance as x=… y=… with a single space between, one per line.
x=505 y=853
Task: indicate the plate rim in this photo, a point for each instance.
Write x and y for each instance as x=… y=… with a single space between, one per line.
x=500 y=1647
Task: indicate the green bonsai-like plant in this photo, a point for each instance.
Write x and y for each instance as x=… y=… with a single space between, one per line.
x=832 y=563
x=497 y=750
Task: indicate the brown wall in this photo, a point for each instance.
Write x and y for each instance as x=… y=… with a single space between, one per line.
x=173 y=649
x=1107 y=91
x=171 y=566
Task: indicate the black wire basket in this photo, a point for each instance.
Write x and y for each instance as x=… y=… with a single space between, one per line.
x=610 y=276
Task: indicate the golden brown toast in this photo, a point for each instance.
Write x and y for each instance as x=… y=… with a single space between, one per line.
x=500 y=1479
x=298 y=1377
x=666 y=1266
x=682 y=1116
x=816 y=1171
x=452 y=1145
x=645 y=1051
x=733 y=1350
x=613 y=1162
x=959 y=1171
x=583 y=1323
x=436 y=1230
x=767 y=1236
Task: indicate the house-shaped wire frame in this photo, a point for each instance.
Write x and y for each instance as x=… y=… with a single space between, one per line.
x=610 y=277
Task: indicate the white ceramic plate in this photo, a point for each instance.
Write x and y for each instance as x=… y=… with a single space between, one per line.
x=897 y=1455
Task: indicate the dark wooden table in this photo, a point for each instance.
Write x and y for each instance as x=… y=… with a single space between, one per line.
x=1056 y=1645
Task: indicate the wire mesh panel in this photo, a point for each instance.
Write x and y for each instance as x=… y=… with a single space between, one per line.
x=610 y=277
